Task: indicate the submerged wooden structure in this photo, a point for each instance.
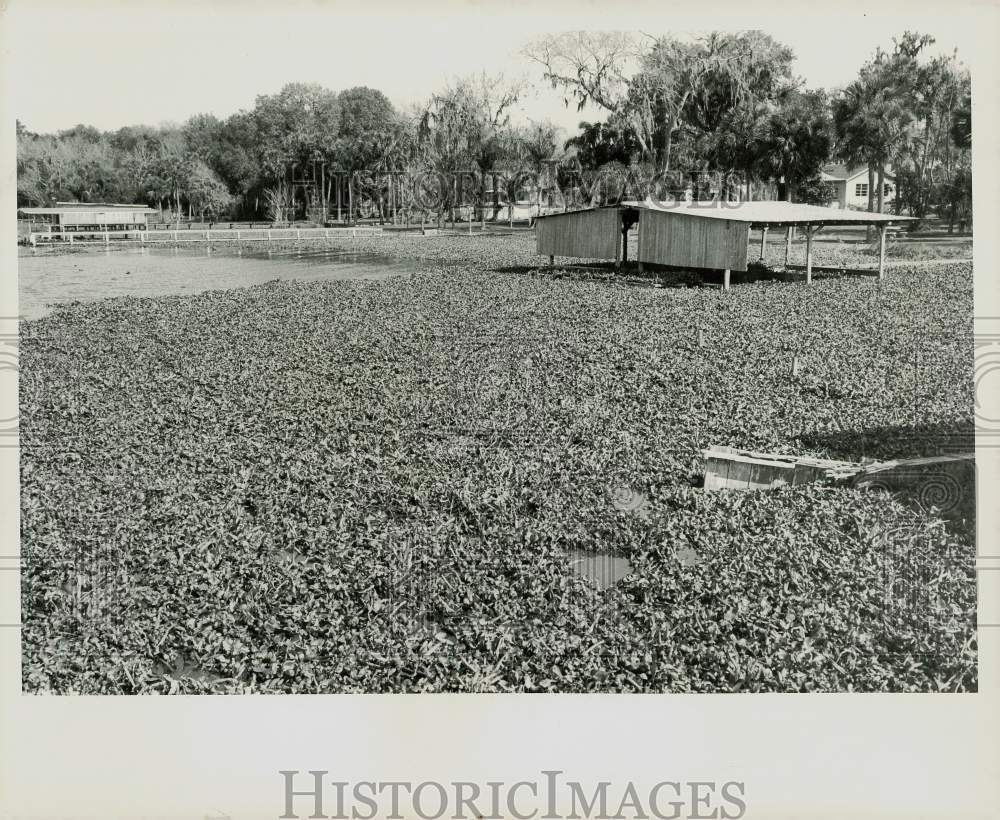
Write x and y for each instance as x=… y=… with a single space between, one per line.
x=727 y=468
x=947 y=482
x=707 y=235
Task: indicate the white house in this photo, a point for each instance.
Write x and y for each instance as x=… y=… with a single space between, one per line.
x=851 y=186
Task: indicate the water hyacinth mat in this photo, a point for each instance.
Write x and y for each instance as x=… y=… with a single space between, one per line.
x=387 y=487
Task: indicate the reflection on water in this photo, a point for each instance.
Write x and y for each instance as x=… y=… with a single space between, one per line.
x=182 y=667
x=47 y=278
x=602 y=568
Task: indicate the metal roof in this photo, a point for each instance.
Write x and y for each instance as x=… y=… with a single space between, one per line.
x=764 y=212
x=63 y=207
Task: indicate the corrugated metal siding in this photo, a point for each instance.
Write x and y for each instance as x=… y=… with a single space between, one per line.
x=121 y=217
x=588 y=234
x=670 y=238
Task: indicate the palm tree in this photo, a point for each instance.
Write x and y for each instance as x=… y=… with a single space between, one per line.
x=798 y=139
x=539 y=142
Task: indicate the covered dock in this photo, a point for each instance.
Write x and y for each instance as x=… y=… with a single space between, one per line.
x=707 y=235
x=90 y=217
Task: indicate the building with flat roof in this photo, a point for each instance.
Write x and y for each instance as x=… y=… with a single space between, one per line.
x=708 y=235
x=66 y=217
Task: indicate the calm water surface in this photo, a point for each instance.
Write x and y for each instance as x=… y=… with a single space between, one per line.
x=47 y=278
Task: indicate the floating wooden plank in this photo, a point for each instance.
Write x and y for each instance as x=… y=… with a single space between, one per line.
x=727 y=468
x=944 y=482
x=841 y=269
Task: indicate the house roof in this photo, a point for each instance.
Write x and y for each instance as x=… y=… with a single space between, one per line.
x=765 y=212
x=837 y=173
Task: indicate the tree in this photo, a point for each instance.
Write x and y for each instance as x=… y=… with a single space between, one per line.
x=277 y=201
x=84 y=133
x=464 y=127
x=203 y=136
x=731 y=84
x=368 y=125
x=138 y=165
x=873 y=116
x=206 y=193
x=237 y=162
x=961 y=124
x=902 y=109
x=659 y=85
x=590 y=67
x=172 y=172
x=798 y=138
x=600 y=143
x=291 y=126
x=368 y=139
x=539 y=143
x=31 y=187
x=813 y=191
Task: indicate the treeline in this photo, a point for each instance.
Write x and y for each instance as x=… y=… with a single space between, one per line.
x=239 y=166
x=721 y=114
x=730 y=104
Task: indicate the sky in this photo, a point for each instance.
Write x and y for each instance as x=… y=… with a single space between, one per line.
x=110 y=64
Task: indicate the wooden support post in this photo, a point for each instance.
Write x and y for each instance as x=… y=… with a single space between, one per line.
x=881 y=252
x=618 y=245
x=70 y=238
x=638 y=245
x=809 y=254
x=552 y=261
x=788 y=243
x=763 y=244
x=106 y=238
x=725 y=279
x=237 y=235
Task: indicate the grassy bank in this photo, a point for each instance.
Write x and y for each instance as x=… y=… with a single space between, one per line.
x=362 y=486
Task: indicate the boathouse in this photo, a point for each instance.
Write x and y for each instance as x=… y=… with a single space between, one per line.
x=65 y=217
x=706 y=235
